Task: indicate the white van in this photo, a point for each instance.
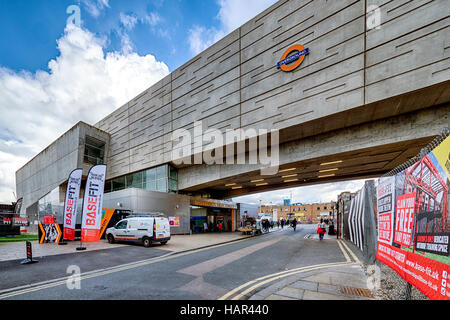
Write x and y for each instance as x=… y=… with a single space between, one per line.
x=144 y=229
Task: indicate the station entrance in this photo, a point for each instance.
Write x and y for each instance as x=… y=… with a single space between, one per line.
x=209 y=215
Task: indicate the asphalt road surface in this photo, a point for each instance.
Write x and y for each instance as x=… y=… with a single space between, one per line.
x=202 y=274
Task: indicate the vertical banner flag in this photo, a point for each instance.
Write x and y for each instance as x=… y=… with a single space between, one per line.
x=92 y=204
x=18 y=206
x=70 y=204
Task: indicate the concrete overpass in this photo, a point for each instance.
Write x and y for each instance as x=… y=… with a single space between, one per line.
x=369 y=95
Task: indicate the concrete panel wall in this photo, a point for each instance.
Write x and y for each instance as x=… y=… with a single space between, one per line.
x=52 y=166
x=144 y=201
x=410 y=50
x=424 y=123
x=330 y=78
x=235 y=83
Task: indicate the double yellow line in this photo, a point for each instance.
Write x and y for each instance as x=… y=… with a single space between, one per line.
x=98 y=273
x=252 y=285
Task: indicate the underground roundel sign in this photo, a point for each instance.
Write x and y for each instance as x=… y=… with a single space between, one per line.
x=292 y=58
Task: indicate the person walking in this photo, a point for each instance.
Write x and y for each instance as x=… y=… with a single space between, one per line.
x=205 y=227
x=282 y=223
x=321 y=230
x=220 y=226
x=278 y=224
x=294 y=224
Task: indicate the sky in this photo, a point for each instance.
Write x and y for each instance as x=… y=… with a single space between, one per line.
x=65 y=61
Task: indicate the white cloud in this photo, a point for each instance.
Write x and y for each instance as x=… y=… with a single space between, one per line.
x=94 y=7
x=232 y=14
x=201 y=38
x=83 y=83
x=152 y=19
x=128 y=20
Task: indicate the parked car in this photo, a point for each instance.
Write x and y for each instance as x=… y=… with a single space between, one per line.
x=143 y=229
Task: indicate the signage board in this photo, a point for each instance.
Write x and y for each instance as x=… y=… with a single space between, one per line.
x=292 y=58
x=413 y=235
x=174 y=221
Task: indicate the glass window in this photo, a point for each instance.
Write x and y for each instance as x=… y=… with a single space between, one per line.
x=118 y=184
x=150 y=174
x=161 y=185
x=150 y=185
x=121 y=225
x=94 y=151
x=161 y=172
x=173 y=173
x=134 y=180
x=108 y=186
x=173 y=185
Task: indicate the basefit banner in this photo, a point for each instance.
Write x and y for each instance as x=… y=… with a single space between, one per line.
x=70 y=204
x=92 y=204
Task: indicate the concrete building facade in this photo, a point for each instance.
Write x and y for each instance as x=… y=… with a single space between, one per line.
x=373 y=90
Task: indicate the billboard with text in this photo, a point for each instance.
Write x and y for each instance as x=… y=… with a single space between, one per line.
x=413 y=222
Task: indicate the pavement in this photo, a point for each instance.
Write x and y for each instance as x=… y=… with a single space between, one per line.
x=338 y=282
x=345 y=282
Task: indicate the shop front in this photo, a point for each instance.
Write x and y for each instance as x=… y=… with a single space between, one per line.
x=209 y=215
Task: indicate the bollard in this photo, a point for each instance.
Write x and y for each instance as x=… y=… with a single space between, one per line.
x=29 y=258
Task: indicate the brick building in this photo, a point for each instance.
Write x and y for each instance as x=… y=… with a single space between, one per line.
x=304 y=213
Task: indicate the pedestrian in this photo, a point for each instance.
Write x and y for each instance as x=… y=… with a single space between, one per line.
x=220 y=226
x=321 y=229
x=294 y=224
x=278 y=224
x=205 y=227
x=282 y=223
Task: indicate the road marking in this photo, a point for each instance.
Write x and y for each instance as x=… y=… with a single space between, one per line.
x=343 y=251
x=351 y=252
x=97 y=273
x=269 y=278
x=272 y=275
x=220 y=261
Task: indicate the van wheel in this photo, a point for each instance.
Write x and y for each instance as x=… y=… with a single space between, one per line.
x=110 y=238
x=147 y=242
x=163 y=242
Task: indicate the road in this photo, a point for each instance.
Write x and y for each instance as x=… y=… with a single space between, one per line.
x=209 y=273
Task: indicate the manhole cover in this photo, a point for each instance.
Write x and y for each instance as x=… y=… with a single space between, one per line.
x=356 y=292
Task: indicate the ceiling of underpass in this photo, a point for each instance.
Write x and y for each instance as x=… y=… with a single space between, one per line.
x=364 y=163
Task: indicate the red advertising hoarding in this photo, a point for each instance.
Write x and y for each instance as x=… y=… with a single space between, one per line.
x=404 y=219
x=415 y=203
